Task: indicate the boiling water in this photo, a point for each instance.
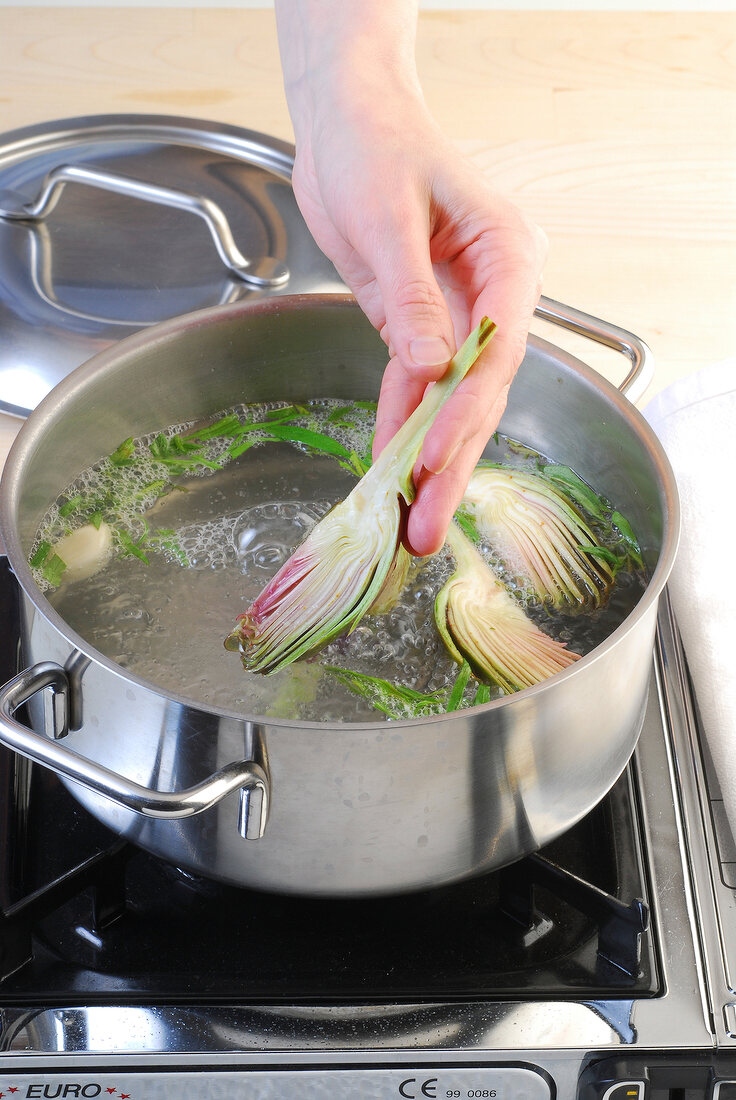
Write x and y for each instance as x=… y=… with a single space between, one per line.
x=166 y=621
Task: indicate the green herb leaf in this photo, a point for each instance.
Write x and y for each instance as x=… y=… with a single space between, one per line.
x=467 y=525
x=237 y=449
x=340 y=415
x=180 y=454
x=165 y=539
x=482 y=695
x=158 y=487
x=628 y=536
x=40 y=554
x=123 y=456
x=69 y=506
x=395 y=700
x=581 y=493
x=603 y=553
x=53 y=569
x=315 y=441
x=521 y=449
x=354 y=465
x=48 y=562
x=225 y=426
x=131 y=547
x=290 y=412
x=458 y=688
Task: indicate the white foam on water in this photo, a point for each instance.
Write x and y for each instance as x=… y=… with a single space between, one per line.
x=214 y=541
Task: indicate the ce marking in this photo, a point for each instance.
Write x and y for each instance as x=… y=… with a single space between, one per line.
x=408 y=1088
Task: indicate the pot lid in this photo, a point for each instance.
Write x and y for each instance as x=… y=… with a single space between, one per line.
x=112 y=223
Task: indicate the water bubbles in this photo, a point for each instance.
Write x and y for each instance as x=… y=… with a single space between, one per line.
x=137 y=614
x=244 y=537
x=270 y=557
x=264 y=536
x=229 y=531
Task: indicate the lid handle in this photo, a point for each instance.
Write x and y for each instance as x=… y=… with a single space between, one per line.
x=265 y=272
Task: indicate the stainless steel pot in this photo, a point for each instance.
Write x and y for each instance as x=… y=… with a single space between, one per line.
x=317 y=808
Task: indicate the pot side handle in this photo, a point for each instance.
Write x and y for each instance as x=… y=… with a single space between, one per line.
x=246 y=776
x=602 y=332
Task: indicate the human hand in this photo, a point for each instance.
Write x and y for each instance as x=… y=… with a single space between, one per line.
x=427 y=248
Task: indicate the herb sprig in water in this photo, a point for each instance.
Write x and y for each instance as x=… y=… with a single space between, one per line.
x=129 y=481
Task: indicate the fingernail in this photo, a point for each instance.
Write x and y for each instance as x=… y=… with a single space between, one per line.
x=429 y=351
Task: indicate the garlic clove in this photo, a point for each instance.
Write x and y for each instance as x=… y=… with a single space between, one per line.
x=85 y=551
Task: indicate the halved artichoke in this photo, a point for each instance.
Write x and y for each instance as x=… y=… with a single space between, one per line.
x=481 y=622
x=337 y=573
x=539 y=534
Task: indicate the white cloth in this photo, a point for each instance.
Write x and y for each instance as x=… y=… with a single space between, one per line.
x=695 y=419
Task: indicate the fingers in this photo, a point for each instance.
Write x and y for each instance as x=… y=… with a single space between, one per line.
x=401 y=392
x=417 y=322
x=509 y=297
x=453 y=445
x=438 y=496
x=476 y=406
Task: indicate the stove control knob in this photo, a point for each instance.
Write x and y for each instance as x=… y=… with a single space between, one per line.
x=625 y=1090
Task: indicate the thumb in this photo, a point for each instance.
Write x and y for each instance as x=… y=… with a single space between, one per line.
x=419 y=328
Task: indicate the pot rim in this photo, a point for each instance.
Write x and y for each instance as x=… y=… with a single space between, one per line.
x=65 y=390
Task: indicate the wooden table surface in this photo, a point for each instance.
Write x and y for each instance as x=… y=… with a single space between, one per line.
x=615 y=131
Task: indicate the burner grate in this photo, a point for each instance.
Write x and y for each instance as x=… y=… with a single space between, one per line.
x=121 y=923
x=620 y=926
x=101 y=877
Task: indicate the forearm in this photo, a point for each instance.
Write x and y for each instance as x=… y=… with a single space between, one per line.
x=346 y=53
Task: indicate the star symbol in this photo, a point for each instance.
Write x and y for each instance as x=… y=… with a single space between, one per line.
x=124 y=1096
x=111 y=1091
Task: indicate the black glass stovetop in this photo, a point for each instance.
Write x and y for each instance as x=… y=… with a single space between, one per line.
x=87 y=918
